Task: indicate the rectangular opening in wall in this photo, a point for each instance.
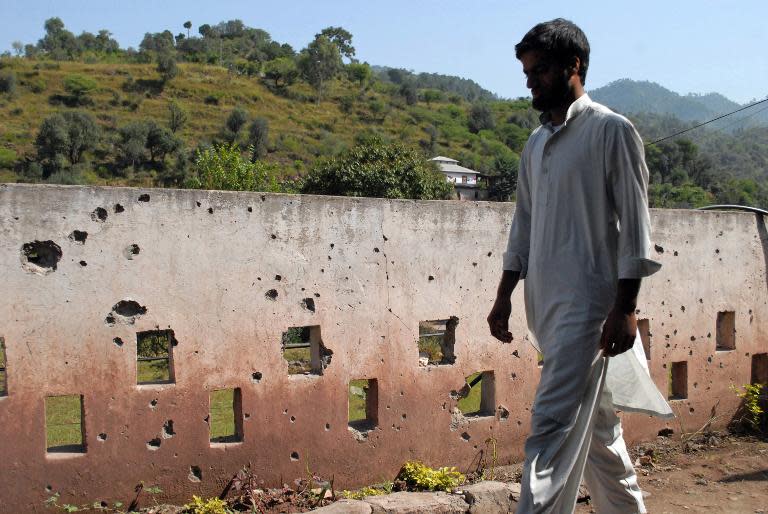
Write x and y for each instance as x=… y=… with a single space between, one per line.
x=363 y=404
x=3 y=371
x=726 y=331
x=644 y=326
x=477 y=397
x=678 y=381
x=304 y=351
x=64 y=428
x=759 y=369
x=226 y=415
x=154 y=357
x=437 y=339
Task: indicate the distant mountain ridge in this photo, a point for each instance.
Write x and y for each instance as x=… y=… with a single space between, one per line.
x=633 y=97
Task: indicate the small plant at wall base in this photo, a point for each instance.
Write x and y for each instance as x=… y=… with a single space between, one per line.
x=209 y=506
x=754 y=416
x=415 y=476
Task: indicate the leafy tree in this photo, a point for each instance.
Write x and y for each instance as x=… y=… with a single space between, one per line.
x=133 y=142
x=236 y=121
x=205 y=30
x=58 y=42
x=504 y=185
x=52 y=142
x=83 y=134
x=224 y=168
x=320 y=62
x=359 y=72
x=79 y=87
x=166 y=66
x=8 y=82
x=480 y=118
x=258 y=137
x=409 y=92
x=432 y=95
x=177 y=117
x=159 y=42
x=282 y=71
x=381 y=170
x=160 y=142
x=341 y=38
x=187 y=25
x=18 y=47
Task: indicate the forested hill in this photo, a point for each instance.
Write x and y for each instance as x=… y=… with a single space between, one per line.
x=632 y=97
x=228 y=107
x=466 y=88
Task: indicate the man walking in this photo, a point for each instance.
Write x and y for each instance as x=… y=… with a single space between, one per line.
x=580 y=240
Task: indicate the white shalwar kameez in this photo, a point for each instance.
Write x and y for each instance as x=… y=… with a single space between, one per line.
x=580 y=224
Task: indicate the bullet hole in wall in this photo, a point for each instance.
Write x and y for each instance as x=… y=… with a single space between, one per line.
x=78 y=236
x=40 y=257
x=99 y=214
x=119 y=208
x=271 y=294
x=658 y=248
x=195 y=474
x=144 y=197
x=308 y=304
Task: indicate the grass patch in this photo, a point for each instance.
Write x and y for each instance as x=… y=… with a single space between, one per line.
x=299 y=360
x=470 y=404
x=222 y=420
x=150 y=372
x=63 y=423
x=358 y=392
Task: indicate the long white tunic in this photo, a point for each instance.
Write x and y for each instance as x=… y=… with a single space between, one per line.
x=580 y=224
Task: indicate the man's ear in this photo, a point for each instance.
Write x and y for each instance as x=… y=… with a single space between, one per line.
x=575 y=67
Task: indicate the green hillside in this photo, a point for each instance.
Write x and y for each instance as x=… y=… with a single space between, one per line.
x=303 y=125
x=82 y=110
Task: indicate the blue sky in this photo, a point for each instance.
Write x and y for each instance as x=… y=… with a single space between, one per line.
x=685 y=45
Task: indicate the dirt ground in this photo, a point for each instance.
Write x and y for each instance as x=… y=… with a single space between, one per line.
x=722 y=474
x=717 y=473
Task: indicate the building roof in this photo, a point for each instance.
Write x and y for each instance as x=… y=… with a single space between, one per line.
x=440 y=158
x=448 y=165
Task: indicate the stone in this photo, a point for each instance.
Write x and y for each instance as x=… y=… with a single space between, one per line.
x=345 y=507
x=417 y=503
x=490 y=497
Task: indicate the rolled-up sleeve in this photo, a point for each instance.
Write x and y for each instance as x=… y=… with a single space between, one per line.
x=516 y=255
x=627 y=177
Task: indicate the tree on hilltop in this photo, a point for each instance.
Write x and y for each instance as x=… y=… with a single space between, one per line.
x=341 y=38
x=320 y=62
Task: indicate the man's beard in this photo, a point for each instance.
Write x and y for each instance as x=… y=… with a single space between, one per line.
x=556 y=96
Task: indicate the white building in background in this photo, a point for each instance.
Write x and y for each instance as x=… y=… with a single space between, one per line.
x=464 y=180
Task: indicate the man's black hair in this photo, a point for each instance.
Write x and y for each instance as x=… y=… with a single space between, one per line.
x=562 y=40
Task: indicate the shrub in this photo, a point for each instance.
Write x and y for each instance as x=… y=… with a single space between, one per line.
x=212 y=99
x=209 y=506
x=418 y=477
x=37 y=86
x=224 y=168
x=7 y=158
x=376 y=169
x=79 y=86
x=8 y=82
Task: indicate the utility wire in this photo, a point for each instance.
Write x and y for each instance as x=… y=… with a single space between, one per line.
x=706 y=122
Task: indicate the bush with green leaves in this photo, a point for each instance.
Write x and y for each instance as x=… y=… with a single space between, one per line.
x=66 y=137
x=419 y=477
x=8 y=82
x=79 y=87
x=222 y=167
x=376 y=169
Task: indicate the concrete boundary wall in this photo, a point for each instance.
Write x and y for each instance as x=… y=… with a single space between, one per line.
x=229 y=272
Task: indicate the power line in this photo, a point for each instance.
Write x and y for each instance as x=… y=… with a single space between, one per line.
x=706 y=122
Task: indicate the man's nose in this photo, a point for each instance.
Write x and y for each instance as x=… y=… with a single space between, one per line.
x=530 y=81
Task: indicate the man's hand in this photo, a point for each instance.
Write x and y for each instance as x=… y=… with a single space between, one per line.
x=618 y=332
x=498 y=319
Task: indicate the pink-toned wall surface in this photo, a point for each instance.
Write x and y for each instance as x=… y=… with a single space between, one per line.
x=374 y=269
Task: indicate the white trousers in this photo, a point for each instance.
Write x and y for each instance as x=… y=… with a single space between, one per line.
x=558 y=455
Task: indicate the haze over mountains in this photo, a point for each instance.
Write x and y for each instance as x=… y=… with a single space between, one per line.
x=634 y=97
